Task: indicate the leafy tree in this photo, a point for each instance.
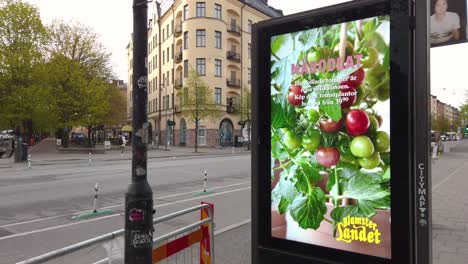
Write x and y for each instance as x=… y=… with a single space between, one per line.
x=197 y=102
x=23 y=93
x=80 y=74
x=246 y=111
x=80 y=43
x=116 y=115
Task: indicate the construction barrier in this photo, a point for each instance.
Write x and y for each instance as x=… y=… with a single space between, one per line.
x=201 y=234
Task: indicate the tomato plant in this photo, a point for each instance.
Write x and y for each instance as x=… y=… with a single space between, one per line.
x=327 y=140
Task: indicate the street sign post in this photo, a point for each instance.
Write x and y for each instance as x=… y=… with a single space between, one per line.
x=340 y=155
x=139 y=196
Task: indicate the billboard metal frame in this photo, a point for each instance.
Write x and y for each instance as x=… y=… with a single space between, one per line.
x=409 y=48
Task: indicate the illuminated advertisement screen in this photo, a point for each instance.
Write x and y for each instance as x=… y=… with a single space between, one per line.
x=330 y=136
x=448 y=22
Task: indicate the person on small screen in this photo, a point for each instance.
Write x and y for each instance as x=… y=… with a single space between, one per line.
x=444 y=25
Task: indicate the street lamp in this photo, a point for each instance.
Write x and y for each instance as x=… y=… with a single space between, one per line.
x=139 y=196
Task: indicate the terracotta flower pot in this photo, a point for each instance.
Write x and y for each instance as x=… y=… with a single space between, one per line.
x=323 y=236
x=278 y=221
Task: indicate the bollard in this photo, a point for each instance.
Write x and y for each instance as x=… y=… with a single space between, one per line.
x=204 y=182
x=96 y=190
x=90 y=160
x=29 y=161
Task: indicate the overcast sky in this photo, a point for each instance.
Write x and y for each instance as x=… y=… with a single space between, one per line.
x=112 y=19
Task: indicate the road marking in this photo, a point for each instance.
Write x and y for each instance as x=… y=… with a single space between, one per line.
x=448 y=177
x=119 y=214
x=113 y=206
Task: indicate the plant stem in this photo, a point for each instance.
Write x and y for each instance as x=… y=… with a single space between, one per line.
x=276 y=56
x=328 y=220
x=337 y=182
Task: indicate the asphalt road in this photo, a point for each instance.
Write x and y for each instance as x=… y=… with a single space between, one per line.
x=38 y=204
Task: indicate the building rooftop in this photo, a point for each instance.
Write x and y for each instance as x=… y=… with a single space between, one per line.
x=262 y=6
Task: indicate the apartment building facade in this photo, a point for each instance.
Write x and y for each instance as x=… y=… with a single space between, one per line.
x=212 y=37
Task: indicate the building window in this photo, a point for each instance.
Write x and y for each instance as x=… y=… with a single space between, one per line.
x=218 y=68
x=172 y=99
x=167 y=54
x=201 y=9
x=202 y=135
x=172 y=76
x=168 y=79
x=217 y=97
x=167 y=101
x=201 y=38
x=164 y=80
x=218 y=39
x=149 y=67
x=149 y=107
x=149 y=85
x=201 y=67
x=164 y=57
x=250 y=26
x=250 y=51
x=186 y=40
x=249 y=76
x=218 y=11
x=163 y=34
x=186 y=69
x=155 y=83
x=185 y=12
x=172 y=27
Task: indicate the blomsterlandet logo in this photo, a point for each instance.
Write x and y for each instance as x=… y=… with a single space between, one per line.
x=358 y=229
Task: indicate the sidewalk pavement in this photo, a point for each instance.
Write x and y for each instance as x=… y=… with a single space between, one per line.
x=55 y=157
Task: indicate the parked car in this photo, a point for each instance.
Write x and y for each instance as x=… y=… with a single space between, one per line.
x=443 y=137
x=452 y=136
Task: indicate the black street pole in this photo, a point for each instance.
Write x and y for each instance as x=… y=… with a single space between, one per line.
x=139 y=196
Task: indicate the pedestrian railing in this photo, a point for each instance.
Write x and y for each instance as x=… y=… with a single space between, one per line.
x=195 y=240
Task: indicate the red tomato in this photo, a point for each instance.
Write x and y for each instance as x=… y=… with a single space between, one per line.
x=357 y=122
x=327 y=156
x=349 y=97
x=296 y=96
x=355 y=79
x=330 y=126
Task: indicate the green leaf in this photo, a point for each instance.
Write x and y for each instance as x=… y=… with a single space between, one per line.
x=279 y=41
x=285 y=77
x=285 y=191
x=282 y=113
x=309 y=210
x=308 y=169
x=386 y=175
x=365 y=187
x=309 y=38
x=277 y=150
x=360 y=210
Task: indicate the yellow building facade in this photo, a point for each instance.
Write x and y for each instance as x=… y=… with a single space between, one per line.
x=212 y=37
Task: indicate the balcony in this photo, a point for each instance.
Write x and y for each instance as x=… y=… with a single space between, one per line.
x=234 y=29
x=179 y=83
x=178 y=30
x=178 y=57
x=233 y=83
x=233 y=56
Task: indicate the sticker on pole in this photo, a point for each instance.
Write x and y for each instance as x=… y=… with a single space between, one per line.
x=139 y=239
x=142 y=82
x=136 y=215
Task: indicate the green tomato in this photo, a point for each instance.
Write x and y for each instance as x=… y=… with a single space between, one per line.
x=362 y=147
x=385 y=156
x=371 y=162
x=313 y=116
x=374 y=124
x=372 y=58
x=311 y=141
x=383 y=90
x=291 y=140
x=382 y=141
x=313 y=56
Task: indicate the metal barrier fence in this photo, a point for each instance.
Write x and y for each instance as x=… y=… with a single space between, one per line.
x=170 y=244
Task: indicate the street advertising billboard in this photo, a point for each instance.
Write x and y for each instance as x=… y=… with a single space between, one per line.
x=448 y=22
x=333 y=173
